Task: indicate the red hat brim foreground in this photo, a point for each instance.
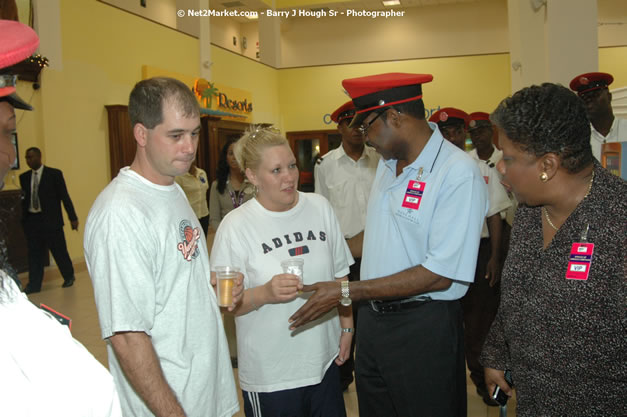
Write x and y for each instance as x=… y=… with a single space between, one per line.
x=18 y=42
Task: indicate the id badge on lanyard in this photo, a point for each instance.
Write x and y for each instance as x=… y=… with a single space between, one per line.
x=413 y=195
x=580 y=259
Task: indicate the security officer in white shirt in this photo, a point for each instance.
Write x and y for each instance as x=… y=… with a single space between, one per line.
x=592 y=88
x=344 y=176
x=481 y=134
x=482 y=299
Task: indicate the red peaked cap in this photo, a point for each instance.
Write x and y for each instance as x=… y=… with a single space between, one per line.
x=448 y=116
x=478 y=119
x=590 y=81
x=345 y=111
x=383 y=90
x=18 y=43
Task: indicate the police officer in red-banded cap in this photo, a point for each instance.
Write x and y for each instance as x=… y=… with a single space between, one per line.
x=452 y=123
x=593 y=90
x=423 y=226
x=344 y=176
x=18 y=43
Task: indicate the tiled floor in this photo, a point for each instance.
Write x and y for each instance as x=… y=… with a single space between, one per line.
x=77 y=302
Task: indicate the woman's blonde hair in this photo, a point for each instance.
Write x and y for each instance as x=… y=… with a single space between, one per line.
x=248 y=148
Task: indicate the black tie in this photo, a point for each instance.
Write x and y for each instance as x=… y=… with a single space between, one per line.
x=35 y=194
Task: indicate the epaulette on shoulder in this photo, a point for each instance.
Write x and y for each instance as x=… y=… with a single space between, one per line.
x=319 y=161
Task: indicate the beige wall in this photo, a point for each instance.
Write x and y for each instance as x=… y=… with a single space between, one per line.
x=612 y=17
x=430 y=31
x=162 y=11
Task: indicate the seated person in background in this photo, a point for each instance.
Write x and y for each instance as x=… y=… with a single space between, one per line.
x=43 y=370
x=283 y=372
x=230 y=190
x=195 y=185
x=560 y=327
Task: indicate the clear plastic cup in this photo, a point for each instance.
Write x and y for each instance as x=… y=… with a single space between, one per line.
x=225 y=276
x=294 y=266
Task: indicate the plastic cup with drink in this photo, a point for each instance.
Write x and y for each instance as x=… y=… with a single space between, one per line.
x=226 y=276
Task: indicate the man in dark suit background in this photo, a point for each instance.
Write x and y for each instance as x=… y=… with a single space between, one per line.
x=44 y=191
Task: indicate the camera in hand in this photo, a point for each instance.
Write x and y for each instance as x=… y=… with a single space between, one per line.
x=499 y=395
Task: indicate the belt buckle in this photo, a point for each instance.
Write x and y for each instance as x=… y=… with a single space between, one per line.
x=385 y=306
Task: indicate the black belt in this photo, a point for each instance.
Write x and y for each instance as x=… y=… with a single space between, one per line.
x=394 y=306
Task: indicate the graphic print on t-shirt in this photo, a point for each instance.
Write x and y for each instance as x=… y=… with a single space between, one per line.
x=190 y=236
x=293 y=238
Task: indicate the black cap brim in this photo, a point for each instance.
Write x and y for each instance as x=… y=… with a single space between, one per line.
x=16 y=102
x=358 y=119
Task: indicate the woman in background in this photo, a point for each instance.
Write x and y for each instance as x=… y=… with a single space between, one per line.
x=230 y=190
x=195 y=185
x=284 y=372
x=560 y=327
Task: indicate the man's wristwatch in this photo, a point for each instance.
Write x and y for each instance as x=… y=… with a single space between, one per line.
x=345 y=300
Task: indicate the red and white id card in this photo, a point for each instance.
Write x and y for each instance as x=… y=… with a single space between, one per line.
x=580 y=261
x=413 y=195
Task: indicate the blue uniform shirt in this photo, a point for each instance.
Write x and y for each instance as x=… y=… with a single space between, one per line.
x=443 y=234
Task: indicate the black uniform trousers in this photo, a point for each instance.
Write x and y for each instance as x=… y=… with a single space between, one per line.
x=411 y=362
x=39 y=238
x=346 y=370
x=479 y=305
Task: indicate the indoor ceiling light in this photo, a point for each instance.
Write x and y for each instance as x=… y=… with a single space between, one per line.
x=391 y=2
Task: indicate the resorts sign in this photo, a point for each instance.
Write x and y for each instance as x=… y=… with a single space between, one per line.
x=223 y=101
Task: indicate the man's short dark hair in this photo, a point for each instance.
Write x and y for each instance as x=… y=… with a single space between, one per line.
x=145 y=104
x=34 y=149
x=547 y=118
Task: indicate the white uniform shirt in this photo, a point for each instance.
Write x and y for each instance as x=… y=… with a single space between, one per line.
x=346 y=183
x=44 y=371
x=496 y=156
x=497 y=196
x=618 y=133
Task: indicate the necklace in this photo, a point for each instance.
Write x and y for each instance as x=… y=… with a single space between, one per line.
x=546 y=213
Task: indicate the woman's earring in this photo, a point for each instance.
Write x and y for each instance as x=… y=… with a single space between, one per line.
x=544 y=177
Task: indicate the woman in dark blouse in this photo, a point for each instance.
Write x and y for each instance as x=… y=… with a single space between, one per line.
x=230 y=190
x=562 y=321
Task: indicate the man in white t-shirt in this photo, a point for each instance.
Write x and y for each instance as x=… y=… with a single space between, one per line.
x=148 y=261
x=592 y=88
